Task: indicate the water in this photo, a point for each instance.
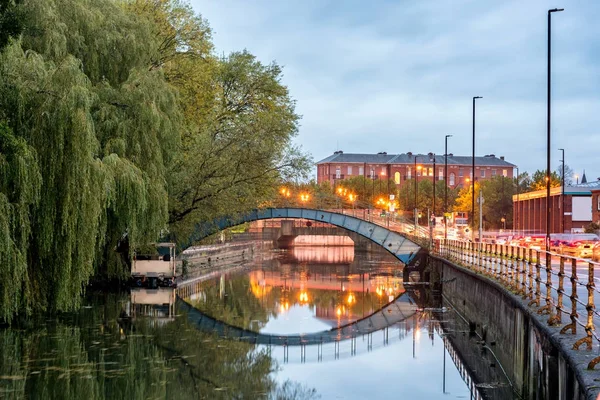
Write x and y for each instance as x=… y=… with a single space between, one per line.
x=111 y=348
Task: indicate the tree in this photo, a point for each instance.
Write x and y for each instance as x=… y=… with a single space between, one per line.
x=568 y=174
x=538 y=180
x=233 y=162
x=99 y=127
x=11 y=20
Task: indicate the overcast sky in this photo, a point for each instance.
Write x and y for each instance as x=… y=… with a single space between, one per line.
x=397 y=76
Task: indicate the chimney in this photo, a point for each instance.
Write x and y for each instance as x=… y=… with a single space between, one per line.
x=502 y=158
x=409 y=153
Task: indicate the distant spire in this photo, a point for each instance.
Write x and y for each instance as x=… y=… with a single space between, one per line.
x=583 y=179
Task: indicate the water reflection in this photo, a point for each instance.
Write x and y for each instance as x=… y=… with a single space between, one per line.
x=141 y=345
x=101 y=352
x=282 y=295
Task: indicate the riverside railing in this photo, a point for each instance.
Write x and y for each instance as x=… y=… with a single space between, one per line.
x=556 y=285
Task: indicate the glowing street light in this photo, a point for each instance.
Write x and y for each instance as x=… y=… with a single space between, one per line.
x=304 y=197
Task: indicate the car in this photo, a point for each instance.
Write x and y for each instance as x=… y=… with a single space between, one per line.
x=575 y=245
x=596 y=251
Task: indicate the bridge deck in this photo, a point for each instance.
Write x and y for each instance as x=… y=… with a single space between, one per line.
x=402 y=248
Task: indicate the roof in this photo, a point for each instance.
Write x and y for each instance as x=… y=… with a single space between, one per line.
x=575 y=190
x=593 y=185
x=409 y=158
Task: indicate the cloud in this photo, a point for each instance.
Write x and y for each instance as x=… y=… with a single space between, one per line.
x=398 y=76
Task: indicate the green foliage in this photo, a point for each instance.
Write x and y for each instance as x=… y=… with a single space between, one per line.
x=11 y=20
x=233 y=161
x=593 y=227
x=98 y=129
x=20 y=184
x=118 y=118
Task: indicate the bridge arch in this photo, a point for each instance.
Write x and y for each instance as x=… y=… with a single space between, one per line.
x=402 y=248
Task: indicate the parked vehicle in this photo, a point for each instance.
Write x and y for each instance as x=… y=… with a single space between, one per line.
x=575 y=245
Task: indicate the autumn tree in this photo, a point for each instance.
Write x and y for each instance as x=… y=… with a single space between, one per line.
x=538 y=180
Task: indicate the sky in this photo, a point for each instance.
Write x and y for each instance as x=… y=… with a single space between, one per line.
x=397 y=76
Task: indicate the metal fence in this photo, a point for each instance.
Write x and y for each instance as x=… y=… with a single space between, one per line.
x=559 y=286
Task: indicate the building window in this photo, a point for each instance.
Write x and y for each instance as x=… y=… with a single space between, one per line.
x=598 y=203
x=372 y=173
x=349 y=169
x=419 y=171
x=451 y=178
x=460 y=173
x=483 y=173
x=397 y=178
x=408 y=173
x=361 y=171
x=430 y=171
x=471 y=174
x=441 y=174
x=504 y=173
x=338 y=172
x=493 y=172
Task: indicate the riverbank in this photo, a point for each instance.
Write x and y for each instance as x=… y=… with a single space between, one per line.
x=531 y=352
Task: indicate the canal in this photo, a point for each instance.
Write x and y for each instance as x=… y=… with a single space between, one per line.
x=121 y=346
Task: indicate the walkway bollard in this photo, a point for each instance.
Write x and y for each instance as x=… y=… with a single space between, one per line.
x=573 y=325
x=530 y=272
x=515 y=263
x=538 y=281
x=589 y=326
x=521 y=256
x=548 y=309
x=557 y=319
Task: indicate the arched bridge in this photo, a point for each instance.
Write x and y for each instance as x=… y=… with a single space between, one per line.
x=403 y=249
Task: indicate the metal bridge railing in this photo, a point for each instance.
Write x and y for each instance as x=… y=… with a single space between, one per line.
x=555 y=285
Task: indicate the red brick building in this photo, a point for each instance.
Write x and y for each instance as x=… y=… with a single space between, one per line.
x=401 y=167
x=572 y=212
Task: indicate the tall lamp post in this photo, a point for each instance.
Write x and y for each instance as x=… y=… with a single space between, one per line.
x=433 y=205
x=446 y=186
x=473 y=172
x=562 y=194
x=416 y=193
x=548 y=182
x=518 y=213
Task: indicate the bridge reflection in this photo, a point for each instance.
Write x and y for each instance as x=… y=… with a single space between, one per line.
x=322 y=255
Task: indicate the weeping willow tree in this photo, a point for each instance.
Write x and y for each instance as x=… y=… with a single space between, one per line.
x=89 y=137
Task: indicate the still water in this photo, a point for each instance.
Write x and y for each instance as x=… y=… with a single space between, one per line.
x=122 y=346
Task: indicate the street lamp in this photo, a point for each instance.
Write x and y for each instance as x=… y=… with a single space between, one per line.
x=548 y=182
x=416 y=190
x=352 y=198
x=518 y=204
x=446 y=185
x=473 y=173
x=562 y=194
x=433 y=179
